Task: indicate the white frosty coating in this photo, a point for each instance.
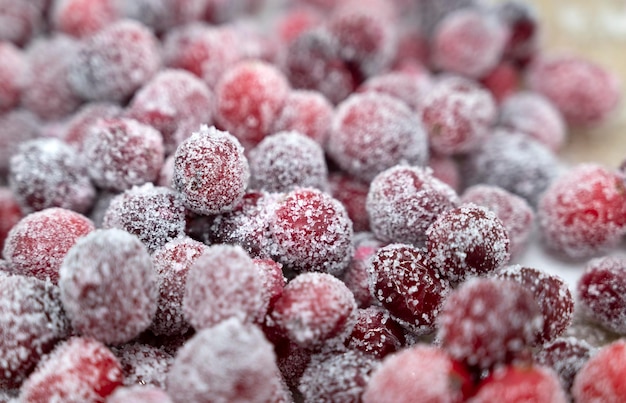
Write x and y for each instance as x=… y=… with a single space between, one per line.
x=143 y=364
x=122 y=153
x=174 y=102
x=336 y=377
x=114 y=62
x=78 y=124
x=420 y=372
x=73 y=373
x=154 y=214
x=16 y=127
x=582 y=213
x=311 y=231
x=403 y=201
x=601 y=378
x=210 y=171
x=375 y=332
x=372 y=132
x=315 y=309
x=49 y=173
x=566 y=356
x=31 y=322
x=222 y=283
x=172 y=263
x=286 y=160
x=409 y=87
x=139 y=394
x=108 y=286
x=307 y=112
x=458 y=115
x=228 y=363
x=514 y=384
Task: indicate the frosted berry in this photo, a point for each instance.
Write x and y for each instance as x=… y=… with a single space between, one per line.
x=446 y=169
x=16 y=127
x=139 y=394
x=376 y=333
x=307 y=112
x=272 y=278
x=407 y=87
x=13 y=75
x=162 y=15
x=143 y=364
x=352 y=193
x=10 y=213
x=566 y=356
x=356 y=276
x=79 y=124
x=81 y=18
x=599 y=380
x=21 y=21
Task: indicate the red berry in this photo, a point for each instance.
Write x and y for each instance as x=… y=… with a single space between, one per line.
x=503 y=81
x=307 y=112
x=601 y=378
x=566 y=356
x=81 y=18
x=352 y=193
x=407 y=87
x=375 y=333
x=271 y=274
x=13 y=75
x=20 y=21
x=356 y=276
x=446 y=169
x=79 y=124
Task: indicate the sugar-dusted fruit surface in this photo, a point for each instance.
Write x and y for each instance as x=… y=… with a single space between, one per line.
x=312 y=201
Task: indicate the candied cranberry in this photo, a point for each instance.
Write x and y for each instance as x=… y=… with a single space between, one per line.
x=467 y=241
x=315 y=309
x=307 y=112
x=110 y=296
x=32 y=321
x=292 y=360
x=81 y=18
x=584 y=92
x=78 y=125
x=446 y=169
x=352 y=193
x=123 y=152
x=488 y=321
x=10 y=213
x=21 y=20
x=458 y=115
x=372 y=132
x=156 y=215
x=223 y=283
x=114 y=62
x=583 y=212
x=229 y=362
x=514 y=212
x=16 y=127
x=311 y=231
x=420 y=372
x=551 y=294
x=533 y=114
x=601 y=377
x=175 y=103
x=38 y=243
x=13 y=75
x=530 y=384
x=514 y=162
x=286 y=160
x=249 y=97
x=81 y=370
x=139 y=394
x=375 y=333
x=404 y=283
x=523 y=26
x=162 y=15
x=336 y=377
x=143 y=364
x=602 y=292
x=356 y=276
x=272 y=278
x=469 y=42
x=565 y=356
x=503 y=81
x=410 y=88
x=210 y=171
x=403 y=201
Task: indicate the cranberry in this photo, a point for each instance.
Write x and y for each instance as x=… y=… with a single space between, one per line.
x=10 y=213
x=79 y=124
x=307 y=112
x=356 y=276
x=109 y=296
x=503 y=81
x=295 y=21
x=82 y=18
x=566 y=356
x=352 y=193
x=139 y=394
x=271 y=274
x=375 y=333
x=600 y=378
x=13 y=75
x=446 y=169
x=407 y=87
x=143 y=364
x=16 y=127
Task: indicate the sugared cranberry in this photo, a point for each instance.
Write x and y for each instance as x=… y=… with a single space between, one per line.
x=139 y=394
x=272 y=278
x=600 y=379
x=356 y=276
x=108 y=286
x=10 y=213
x=407 y=87
x=79 y=124
x=307 y=112
x=13 y=75
x=446 y=169
x=352 y=193
x=81 y=18
x=502 y=82
x=143 y=364
x=566 y=356
x=375 y=333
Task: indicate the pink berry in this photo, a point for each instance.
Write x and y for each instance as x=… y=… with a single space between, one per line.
x=109 y=296
x=114 y=62
x=446 y=169
x=175 y=103
x=16 y=127
x=410 y=88
x=502 y=82
x=352 y=193
x=143 y=364
x=315 y=309
x=295 y=21
x=273 y=280
x=10 y=213
x=37 y=245
x=566 y=356
x=82 y=18
x=376 y=333
x=139 y=394
x=80 y=370
x=13 y=75
x=122 y=153
x=600 y=379
x=79 y=124
x=311 y=231
x=583 y=213
x=403 y=201
x=307 y=112
x=356 y=276
x=458 y=115
x=211 y=171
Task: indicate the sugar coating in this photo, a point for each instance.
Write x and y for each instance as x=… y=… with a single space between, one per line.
x=229 y=362
x=154 y=214
x=13 y=75
x=411 y=289
x=79 y=123
x=210 y=171
x=403 y=201
x=582 y=213
x=38 y=243
x=307 y=112
x=311 y=231
x=31 y=322
x=375 y=333
x=273 y=280
x=172 y=263
x=223 y=283
x=16 y=127
x=79 y=370
x=46 y=173
x=600 y=378
x=109 y=296
x=467 y=241
x=143 y=364
x=372 y=132
x=315 y=309
x=340 y=377
x=407 y=86
x=139 y=394
x=421 y=371
x=114 y=62
x=174 y=102
x=82 y=18
x=286 y=160
x=566 y=356
x=356 y=276
x=486 y=322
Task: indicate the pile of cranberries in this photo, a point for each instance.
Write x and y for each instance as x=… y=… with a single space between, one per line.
x=301 y=201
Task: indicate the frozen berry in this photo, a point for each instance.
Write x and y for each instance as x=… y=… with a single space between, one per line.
x=372 y=132
x=13 y=75
x=10 y=213
x=352 y=193
x=79 y=124
x=376 y=333
x=143 y=364
x=566 y=356
x=139 y=394
x=108 y=286
x=16 y=127
x=307 y=112
x=122 y=153
x=81 y=18
x=600 y=379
